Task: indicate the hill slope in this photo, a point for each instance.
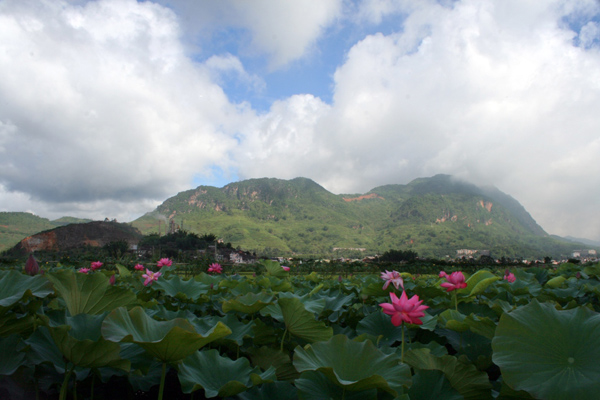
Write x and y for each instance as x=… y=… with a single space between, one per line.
x=434 y=216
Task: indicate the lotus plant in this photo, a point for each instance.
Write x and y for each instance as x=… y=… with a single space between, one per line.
x=139 y=267
x=95 y=265
x=215 y=268
x=286 y=269
x=454 y=281
x=392 y=277
x=403 y=310
x=164 y=262
x=31 y=266
x=150 y=277
x=83 y=270
x=510 y=277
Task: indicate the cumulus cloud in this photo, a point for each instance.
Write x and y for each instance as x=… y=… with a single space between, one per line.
x=494 y=92
x=284 y=31
x=101 y=103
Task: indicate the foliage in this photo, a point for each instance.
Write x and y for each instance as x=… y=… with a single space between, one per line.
x=294 y=335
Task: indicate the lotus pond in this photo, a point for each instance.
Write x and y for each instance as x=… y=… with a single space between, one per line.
x=112 y=333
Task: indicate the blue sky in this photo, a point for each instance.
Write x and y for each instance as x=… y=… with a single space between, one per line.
x=139 y=100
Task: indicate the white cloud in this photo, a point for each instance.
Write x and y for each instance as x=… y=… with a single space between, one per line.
x=100 y=103
x=495 y=92
x=284 y=31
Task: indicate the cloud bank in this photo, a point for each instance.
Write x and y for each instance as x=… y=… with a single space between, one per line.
x=109 y=107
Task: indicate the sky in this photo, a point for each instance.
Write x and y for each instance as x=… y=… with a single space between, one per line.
x=109 y=107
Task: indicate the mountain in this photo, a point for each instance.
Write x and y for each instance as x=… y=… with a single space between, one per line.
x=77 y=235
x=433 y=216
x=14 y=226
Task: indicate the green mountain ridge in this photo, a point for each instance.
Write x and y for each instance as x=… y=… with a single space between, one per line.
x=433 y=216
x=15 y=226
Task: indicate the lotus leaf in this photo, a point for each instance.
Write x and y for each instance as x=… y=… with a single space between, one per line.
x=274 y=269
x=314 y=385
x=220 y=376
x=550 y=354
x=249 y=303
x=357 y=366
x=478 y=282
x=181 y=289
x=168 y=341
x=10 y=354
x=432 y=384
x=14 y=286
x=465 y=378
x=378 y=325
x=301 y=322
x=271 y=391
x=90 y=294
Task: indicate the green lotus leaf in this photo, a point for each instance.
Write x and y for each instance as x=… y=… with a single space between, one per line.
x=313 y=304
x=15 y=285
x=464 y=377
x=181 y=289
x=314 y=385
x=88 y=353
x=271 y=391
x=123 y=271
x=548 y=353
x=219 y=376
x=89 y=293
x=453 y=320
x=239 y=329
x=168 y=341
x=10 y=354
x=43 y=349
x=274 y=269
x=11 y=323
x=478 y=282
x=301 y=322
x=266 y=357
x=354 y=365
x=248 y=303
x=432 y=384
x=379 y=325
x=555 y=282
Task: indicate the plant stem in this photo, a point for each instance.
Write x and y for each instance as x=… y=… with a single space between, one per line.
x=402 y=354
x=282 y=339
x=455 y=301
x=162 y=381
x=65 y=384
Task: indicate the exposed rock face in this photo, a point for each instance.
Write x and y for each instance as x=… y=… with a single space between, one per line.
x=96 y=234
x=363 y=197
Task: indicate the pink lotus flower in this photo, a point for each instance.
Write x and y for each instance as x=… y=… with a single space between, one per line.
x=510 y=277
x=215 y=268
x=139 y=267
x=392 y=277
x=286 y=269
x=455 y=281
x=164 y=262
x=83 y=270
x=404 y=309
x=96 y=265
x=150 y=277
x=31 y=266
x=113 y=279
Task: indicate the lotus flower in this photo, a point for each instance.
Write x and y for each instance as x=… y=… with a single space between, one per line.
x=510 y=277
x=83 y=270
x=404 y=309
x=215 y=268
x=96 y=265
x=164 y=262
x=454 y=281
x=150 y=277
x=113 y=279
x=139 y=267
x=31 y=266
x=286 y=269
x=392 y=277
